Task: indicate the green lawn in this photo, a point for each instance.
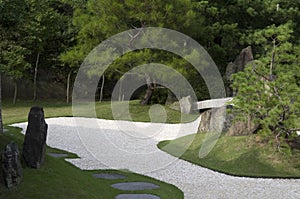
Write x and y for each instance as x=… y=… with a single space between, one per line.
x=239 y=156
x=60 y=179
x=18 y=113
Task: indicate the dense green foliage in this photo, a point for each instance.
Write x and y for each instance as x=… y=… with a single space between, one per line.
x=55 y=35
x=223 y=28
x=33 y=34
x=238 y=155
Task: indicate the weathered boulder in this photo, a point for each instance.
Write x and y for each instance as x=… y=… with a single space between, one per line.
x=245 y=57
x=175 y=106
x=242 y=128
x=214 y=120
x=204 y=125
x=186 y=105
x=170 y=99
x=34 y=145
x=11 y=165
x=218 y=120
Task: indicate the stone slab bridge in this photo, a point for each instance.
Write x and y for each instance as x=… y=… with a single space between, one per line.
x=212 y=103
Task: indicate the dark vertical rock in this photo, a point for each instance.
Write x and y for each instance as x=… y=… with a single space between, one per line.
x=245 y=57
x=34 y=145
x=11 y=165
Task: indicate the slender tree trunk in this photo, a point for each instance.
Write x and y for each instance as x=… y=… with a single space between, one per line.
x=101 y=90
x=147 y=96
x=272 y=61
x=120 y=91
x=35 y=77
x=68 y=86
x=1 y=124
x=149 y=91
x=15 y=92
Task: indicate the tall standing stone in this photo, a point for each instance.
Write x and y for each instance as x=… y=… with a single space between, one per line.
x=34 y=145
x=11 y=165
x=245 y=57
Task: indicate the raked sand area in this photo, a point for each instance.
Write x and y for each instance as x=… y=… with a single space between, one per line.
x=107 y=144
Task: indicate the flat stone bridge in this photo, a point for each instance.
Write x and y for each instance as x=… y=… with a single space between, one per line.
x=212 y=103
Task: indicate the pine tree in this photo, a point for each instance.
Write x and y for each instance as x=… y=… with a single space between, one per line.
x=269 y=88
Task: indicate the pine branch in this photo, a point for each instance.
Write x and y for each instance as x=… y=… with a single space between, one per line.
x=261 y=75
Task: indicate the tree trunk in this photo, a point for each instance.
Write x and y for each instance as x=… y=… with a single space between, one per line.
x=272 y=60
x=1 y=124
x=147 y=96
x=35 y=77
x=101 y=90
x=149 y=91
x=120 y=91
x=68 y=86
x=15 y=92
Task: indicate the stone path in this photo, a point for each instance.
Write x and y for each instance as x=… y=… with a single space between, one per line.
x=128 y=186
x=58 y=155
x=105 y=144
x=137 y=196
x=109 y=176
x=135 y=186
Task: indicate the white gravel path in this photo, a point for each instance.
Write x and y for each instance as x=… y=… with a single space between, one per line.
x=106 y=144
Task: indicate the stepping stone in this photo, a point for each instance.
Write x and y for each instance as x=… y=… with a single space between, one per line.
x=134 y=186
x=137 y=196
x=58 y=155
x=109 y=176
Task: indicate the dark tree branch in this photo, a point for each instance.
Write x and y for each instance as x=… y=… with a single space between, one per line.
x=261 y=75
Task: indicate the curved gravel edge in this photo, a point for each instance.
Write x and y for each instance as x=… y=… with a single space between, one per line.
x=106 y=147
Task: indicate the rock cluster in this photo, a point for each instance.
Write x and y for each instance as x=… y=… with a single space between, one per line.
x=219 y=120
